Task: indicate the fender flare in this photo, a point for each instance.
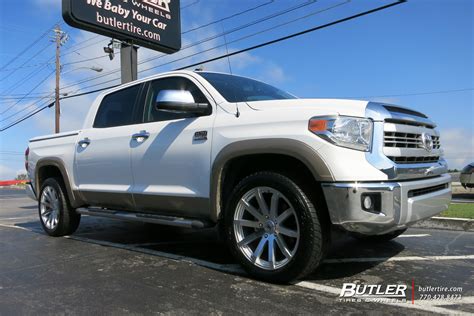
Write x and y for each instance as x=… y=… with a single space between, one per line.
x=58 y=163
x=284 y=146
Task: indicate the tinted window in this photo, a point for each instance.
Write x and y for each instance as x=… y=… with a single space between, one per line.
x=116 y=108
x=240 y=89
x=152 y=114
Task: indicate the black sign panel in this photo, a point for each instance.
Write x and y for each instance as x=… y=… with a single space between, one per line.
x=154 y=24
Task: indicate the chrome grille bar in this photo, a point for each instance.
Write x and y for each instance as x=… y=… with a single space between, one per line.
x=407 y=140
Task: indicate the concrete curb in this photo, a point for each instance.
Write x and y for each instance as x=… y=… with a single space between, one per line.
x=448 y=223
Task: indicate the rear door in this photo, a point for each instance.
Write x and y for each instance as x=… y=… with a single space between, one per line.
x=171 y=167
x=102 y=167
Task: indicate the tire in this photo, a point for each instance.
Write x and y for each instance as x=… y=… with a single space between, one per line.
x=295 y=215
x=56 y=215
x=379 y=238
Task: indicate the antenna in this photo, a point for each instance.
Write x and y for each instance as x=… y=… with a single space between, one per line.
x=237 y=113
x=226 y=48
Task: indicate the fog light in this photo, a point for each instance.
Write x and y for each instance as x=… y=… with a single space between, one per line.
x=371 y=202
x=368 y=202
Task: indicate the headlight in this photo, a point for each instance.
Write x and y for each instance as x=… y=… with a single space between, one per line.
x=344 y=131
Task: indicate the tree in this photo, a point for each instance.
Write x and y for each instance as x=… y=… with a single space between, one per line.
x=21 y=176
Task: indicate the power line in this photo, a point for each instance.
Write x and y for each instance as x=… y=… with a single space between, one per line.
x=34 y=88
x=187 y=31
x=27 y=116
x=228 y=17
x=99 y=57
x=28 y=66
x=218 y=46
x=190 y=5
x=26 y=108
x=410 y=94
x=23 y=64
x=352 y=17
x=26 y=49
x=260 y=20
x=22 y=81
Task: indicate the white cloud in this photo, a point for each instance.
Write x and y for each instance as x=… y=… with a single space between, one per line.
x=7 y=173
x=458 y=146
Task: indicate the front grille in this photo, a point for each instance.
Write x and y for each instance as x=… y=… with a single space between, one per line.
x=424 y=191
x=409 y=160
x=407 y=140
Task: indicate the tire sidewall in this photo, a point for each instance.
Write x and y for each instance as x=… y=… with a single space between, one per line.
x=306 y=222
x=63 y=207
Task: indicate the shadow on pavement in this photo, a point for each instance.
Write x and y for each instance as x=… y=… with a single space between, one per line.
x=205 y=245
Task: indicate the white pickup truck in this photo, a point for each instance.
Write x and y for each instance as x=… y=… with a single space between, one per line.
x=274 y=172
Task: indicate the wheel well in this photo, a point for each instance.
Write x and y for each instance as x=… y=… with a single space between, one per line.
x=238 y=168
x=46 y=172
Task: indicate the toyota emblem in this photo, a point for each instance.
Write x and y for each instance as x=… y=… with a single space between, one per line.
x=427 y=142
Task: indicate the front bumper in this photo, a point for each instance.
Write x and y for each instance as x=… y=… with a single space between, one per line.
x=401 y=203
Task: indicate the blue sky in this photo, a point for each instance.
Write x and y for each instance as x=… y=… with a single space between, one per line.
x=418 y=47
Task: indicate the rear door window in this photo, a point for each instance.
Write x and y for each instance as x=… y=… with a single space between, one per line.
x=117 y=108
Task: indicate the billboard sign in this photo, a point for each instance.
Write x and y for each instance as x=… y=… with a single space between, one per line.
x=155 y=24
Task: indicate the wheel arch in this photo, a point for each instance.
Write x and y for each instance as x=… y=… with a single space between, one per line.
x=54 y=167
x=268 y=154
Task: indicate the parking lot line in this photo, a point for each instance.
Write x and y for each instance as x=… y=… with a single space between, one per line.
x=14 y=226
x=414 y=235
x=220 y=266
x=425 y=306
x=408 y=258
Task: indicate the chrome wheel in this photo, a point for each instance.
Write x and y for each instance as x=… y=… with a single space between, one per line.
x=266 y=228
x=49 y=207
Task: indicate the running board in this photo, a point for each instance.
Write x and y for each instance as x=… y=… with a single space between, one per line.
x=144 y=217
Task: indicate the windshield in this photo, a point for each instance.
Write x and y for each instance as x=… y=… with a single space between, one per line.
x=240 y=89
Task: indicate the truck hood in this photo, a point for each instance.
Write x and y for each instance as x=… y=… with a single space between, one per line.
x=318 y=106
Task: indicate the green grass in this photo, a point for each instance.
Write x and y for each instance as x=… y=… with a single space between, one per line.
x=460 y=211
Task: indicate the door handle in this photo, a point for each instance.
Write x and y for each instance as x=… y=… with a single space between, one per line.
x=84 y=143
x=141 y=136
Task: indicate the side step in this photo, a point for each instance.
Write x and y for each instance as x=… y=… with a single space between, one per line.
x=144 y=218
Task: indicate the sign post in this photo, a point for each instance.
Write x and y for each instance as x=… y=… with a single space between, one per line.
x=128 y=62
x=154 y=24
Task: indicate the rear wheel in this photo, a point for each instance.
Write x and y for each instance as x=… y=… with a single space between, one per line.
x=379 y=238
x=273 y=229
x=57 y=216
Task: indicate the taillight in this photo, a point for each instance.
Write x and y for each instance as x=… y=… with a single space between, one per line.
x=27 y=152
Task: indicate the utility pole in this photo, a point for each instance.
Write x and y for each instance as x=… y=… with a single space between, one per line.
x=60 y=39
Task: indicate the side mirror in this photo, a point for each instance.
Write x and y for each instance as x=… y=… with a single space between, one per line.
x=179 y=101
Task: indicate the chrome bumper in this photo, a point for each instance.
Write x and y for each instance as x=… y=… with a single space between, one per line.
x=30 y=192
x=400 y=205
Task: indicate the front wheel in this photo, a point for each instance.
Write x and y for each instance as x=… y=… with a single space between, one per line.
x=273 y=229
x=57 y=216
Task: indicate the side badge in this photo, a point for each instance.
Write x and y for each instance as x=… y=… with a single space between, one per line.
x=201 y=135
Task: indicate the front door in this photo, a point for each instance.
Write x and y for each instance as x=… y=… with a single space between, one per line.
x=171 y=166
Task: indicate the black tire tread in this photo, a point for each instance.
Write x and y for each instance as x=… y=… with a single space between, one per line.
x=69 y=219
x=314 y=232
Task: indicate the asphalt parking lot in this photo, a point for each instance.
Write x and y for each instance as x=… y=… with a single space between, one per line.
x=113 y=267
